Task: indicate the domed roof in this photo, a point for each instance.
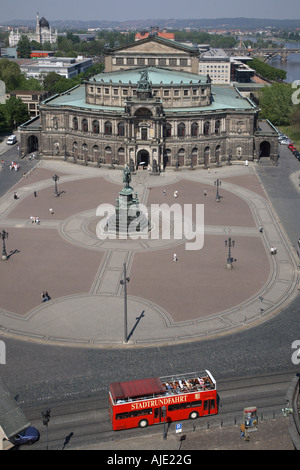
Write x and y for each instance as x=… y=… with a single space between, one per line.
x=44 y=23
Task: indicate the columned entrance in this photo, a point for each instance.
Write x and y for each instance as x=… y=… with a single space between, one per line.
x=143 y=158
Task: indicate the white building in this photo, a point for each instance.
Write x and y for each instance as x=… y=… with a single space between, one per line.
x=216 y=64
x=67 y=67
x=43 y=33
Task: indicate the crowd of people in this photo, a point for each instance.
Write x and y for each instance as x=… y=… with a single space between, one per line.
x=14 y=166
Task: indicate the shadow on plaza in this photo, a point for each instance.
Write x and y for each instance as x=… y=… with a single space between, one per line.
x=138 y=319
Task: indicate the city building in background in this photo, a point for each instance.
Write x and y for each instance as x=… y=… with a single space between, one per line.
x=67 y=67
x=43 y=33
x=31 y=98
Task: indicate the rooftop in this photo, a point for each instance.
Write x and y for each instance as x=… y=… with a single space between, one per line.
x=223 y=97
x=157 y=75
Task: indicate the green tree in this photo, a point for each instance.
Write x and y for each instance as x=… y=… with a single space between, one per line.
x=267 y=71
x=275 y=102
x=55 y=83
x=36 y=46
x=24 y=48
x=11 y=75
x=49 y=81
x=15 y=112
x=3 y=123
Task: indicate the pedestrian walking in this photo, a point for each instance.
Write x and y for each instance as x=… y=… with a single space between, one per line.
x=51 y=211
x=175 y=193
x=34 y=193
x=204 y=192
x=15 y=196
x=164 y=192
x=175 y=257
x=47 y=296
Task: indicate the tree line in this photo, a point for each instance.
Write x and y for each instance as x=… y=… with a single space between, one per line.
x=14 y=112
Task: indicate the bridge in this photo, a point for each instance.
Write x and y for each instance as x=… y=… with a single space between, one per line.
x=266 y=53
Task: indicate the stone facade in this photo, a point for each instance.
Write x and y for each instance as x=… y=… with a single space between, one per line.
x=152 y=115
x=153 y=52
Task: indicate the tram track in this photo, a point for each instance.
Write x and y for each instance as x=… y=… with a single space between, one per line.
x=84 y=422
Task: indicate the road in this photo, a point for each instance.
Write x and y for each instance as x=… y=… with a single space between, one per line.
x=74 y=382
x=10 y=177
x=84 y=423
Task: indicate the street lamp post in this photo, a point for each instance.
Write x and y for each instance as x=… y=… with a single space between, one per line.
x=230 y=243
x=218 y=183
x=123 y=282
x=46 y=419
x=55 y=179
x=4 y=235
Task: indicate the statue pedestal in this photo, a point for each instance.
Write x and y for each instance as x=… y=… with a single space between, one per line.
x=128 y=217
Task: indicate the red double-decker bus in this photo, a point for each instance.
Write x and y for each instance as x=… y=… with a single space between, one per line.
x=139 y=403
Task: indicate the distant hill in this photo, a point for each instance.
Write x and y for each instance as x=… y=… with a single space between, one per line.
x=218 y=23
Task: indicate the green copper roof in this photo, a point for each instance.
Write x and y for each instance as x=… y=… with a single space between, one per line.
x=156 y=76
x=223 y=96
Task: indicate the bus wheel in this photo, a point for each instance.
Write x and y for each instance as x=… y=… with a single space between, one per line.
x=194 y=415
x=143 y=423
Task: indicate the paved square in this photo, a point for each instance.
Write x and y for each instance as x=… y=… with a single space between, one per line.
x=167 y=301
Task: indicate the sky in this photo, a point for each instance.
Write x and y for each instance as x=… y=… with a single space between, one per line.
x=120 y=10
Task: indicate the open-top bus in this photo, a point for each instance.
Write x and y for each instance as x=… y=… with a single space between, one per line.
x=139 y=403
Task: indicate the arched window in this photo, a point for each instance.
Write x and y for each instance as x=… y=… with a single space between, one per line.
x=181 y=130
x=121 y=156
x=181 y=156
x=121 y=129
x=95 y=157
x=206 y=155
x=217 y=127
x=194 y=129
x=206 y=128
x=238 y=152
x=167 y=130
x=75 y=149
x=96 y=127
x=195 y=152
x=85 y=126
x=108 y=128
x=75 y=124
x=218 y=153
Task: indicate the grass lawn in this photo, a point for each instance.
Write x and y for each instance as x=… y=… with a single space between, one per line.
x=293 y=132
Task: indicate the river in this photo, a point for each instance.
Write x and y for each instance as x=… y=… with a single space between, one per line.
x=292 y=64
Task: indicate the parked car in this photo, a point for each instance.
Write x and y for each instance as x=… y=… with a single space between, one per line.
x=291 y=147
x=297 y=155
x=294 y=150
x=284 y=141
x=11 y=140
x=28 y=436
